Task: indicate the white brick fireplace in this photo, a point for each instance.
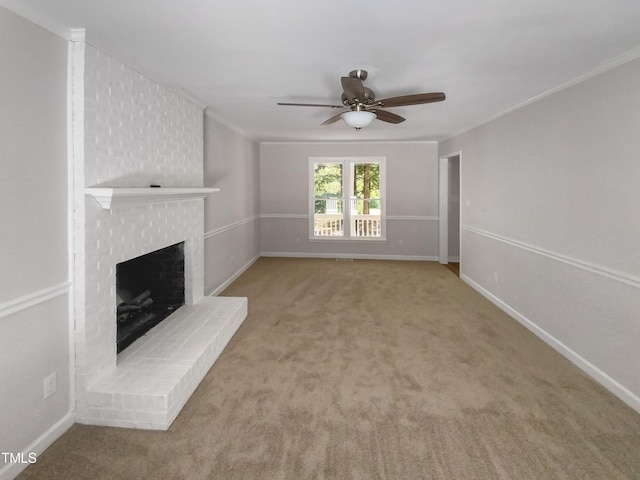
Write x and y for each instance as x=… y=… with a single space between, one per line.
x=129 y=133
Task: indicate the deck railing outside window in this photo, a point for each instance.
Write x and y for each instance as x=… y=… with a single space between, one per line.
x=331 y=223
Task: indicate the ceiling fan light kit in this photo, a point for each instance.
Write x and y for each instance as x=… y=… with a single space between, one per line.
x=358 y=119
x=363 y=106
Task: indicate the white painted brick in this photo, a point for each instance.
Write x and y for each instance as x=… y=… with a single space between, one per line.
x=145 y=416
x=161 y=386
x=137 y=132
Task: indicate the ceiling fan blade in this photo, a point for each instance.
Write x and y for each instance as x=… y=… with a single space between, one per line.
x=415 y=99
x=333 y=119
x=388 y=116
x=353 y=88
x=309 y=105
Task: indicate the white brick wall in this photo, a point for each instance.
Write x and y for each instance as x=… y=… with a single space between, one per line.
x=137 y=132
x=129 y=131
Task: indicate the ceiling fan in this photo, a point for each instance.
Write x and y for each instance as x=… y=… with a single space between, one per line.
x=362 y=105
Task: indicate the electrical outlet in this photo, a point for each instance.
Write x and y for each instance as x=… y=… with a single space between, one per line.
x=49 y=386
x=495 y=277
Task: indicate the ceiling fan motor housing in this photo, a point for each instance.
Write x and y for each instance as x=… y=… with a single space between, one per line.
x=369 y=98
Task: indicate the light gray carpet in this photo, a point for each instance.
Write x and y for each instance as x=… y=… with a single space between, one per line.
x=371 y=370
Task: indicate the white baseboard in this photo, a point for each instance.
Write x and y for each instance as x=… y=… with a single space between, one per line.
x=355 y=256
x=228 y=282
x=590 y=369
x=12 y=470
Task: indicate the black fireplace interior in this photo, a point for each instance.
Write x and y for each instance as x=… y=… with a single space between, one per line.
x=149 y=288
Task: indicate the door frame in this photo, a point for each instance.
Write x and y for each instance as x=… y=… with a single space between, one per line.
x=443 y=205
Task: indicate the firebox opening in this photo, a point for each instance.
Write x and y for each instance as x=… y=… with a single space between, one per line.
x=149 y=288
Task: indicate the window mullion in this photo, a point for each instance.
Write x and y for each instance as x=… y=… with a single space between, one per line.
x=347 y=184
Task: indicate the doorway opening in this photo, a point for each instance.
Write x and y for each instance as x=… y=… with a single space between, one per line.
x=449 y=211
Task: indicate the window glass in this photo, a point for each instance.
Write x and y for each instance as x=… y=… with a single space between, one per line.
x=328 y=209
x=365 y=202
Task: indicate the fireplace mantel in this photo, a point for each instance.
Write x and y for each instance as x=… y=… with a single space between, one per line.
x=110 y=197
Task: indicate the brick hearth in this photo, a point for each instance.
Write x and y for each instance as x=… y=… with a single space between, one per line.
x=156 y=375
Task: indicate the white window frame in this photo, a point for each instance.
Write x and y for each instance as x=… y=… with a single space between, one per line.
x=347 y=182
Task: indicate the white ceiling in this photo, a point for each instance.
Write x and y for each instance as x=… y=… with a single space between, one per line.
x=241 y=57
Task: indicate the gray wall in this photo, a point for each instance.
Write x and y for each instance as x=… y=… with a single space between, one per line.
x=34 y=285
x=412 y=200
x=550 y=225
x=232 y=216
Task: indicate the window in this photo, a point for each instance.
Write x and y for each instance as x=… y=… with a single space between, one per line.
x=347 y=198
